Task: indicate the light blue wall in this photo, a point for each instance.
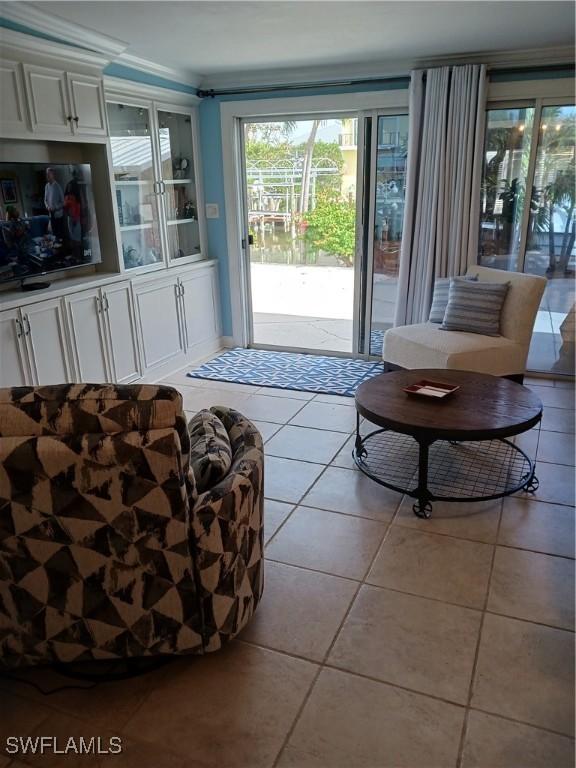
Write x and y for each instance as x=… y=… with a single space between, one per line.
x=214 y=181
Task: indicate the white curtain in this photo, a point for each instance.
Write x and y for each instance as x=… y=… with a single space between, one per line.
x=441 y=219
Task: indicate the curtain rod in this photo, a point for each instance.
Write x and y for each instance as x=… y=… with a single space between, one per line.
x=212 y=93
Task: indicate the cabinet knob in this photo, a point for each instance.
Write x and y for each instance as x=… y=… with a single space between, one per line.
x=76 y=119
x=27 y=328
x=18 y=328
x=69 y=118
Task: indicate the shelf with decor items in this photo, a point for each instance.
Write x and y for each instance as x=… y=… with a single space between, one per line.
x=155 y=171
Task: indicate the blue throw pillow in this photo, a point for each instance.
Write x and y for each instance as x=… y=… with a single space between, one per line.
x=474 y=307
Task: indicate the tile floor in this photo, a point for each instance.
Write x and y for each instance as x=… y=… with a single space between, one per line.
x=382 y=640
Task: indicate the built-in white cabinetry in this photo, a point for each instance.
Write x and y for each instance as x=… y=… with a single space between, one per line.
x=155 y=168
x=13 y=112
x=102 y=331
x=48 y=100
x=46 y=342
x=64 y=103
x=14 y=370
x=88 y=336
x=158 y=308
x=87 y=105
x=199 y=300
x=121 y=332
x=34 y=345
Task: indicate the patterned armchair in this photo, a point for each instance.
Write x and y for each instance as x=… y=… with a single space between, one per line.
x=107 y=550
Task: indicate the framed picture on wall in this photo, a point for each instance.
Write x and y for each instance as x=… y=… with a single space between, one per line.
x=9 y=191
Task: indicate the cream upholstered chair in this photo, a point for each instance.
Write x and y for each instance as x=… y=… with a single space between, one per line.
x=424 y=345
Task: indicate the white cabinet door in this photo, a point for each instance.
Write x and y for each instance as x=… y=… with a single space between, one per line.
x=87 y=105
x=157 y=306
x=14 y=370
x=48 y=100
x=46 y=342
x=121 y=332
x=13 y=114
x=200 y=303
x=87 y=336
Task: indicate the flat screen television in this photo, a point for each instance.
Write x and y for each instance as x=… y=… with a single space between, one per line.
x=47 y=220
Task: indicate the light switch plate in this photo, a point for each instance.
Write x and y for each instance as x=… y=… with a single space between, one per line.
x=212 y=211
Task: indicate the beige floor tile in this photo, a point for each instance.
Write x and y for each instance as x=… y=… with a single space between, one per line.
x=492 y=742
x=536 y=381
x=526 y=671
x=188 y=381
x=558 y=420
x=295 y=394
x=477 y=521
x=109 y=705
x=319 y=445
x=556 y=448
x=339 y=418
x=327 y=541
x=233 y=708
x=350 y=722
x=19 y=716
x=266 y=428
x=531 y=524
x=336 y=400
x=344 y=456
x=556 y=483
x=300 y=611
x=62 y=727
x=275 y=512
x=288 y=480
x=434 y=566
x=564 y=383
x=275 y=409
x=410 y=641
x=554 y=397
x=343 y=490
x=533 y=586
x=528 y=441
x=196 y=399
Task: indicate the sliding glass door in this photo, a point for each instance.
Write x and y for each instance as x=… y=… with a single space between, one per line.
x=389 y=151
x=528 y=220
x=300 y=215
x=323 y=216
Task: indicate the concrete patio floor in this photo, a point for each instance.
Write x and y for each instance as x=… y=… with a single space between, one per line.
x=311 y=307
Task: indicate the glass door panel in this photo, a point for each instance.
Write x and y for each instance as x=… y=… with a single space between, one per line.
x=506 y=158
x=550 y=240
x=134 y=181
x=179 y=184
x=389 y=194
x=300 y=201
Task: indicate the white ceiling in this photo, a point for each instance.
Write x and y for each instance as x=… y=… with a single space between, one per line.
x=228 y=41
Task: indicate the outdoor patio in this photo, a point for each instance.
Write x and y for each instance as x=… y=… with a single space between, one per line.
x=311 y=307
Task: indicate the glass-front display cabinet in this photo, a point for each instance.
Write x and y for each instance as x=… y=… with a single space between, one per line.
x=154 y=168
x=178 y=184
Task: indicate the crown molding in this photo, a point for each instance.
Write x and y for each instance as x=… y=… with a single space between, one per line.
x=37 y=46
x=35 y=18
x=117 y=87
x=530 y=58
x=158 y=70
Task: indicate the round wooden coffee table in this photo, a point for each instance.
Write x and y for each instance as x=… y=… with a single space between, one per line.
x=453 y=449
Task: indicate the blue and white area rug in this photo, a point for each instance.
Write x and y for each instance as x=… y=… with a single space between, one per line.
x=289 y=370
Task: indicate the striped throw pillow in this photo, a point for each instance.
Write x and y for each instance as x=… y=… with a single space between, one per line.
x=440 y=298
x=474 y=307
